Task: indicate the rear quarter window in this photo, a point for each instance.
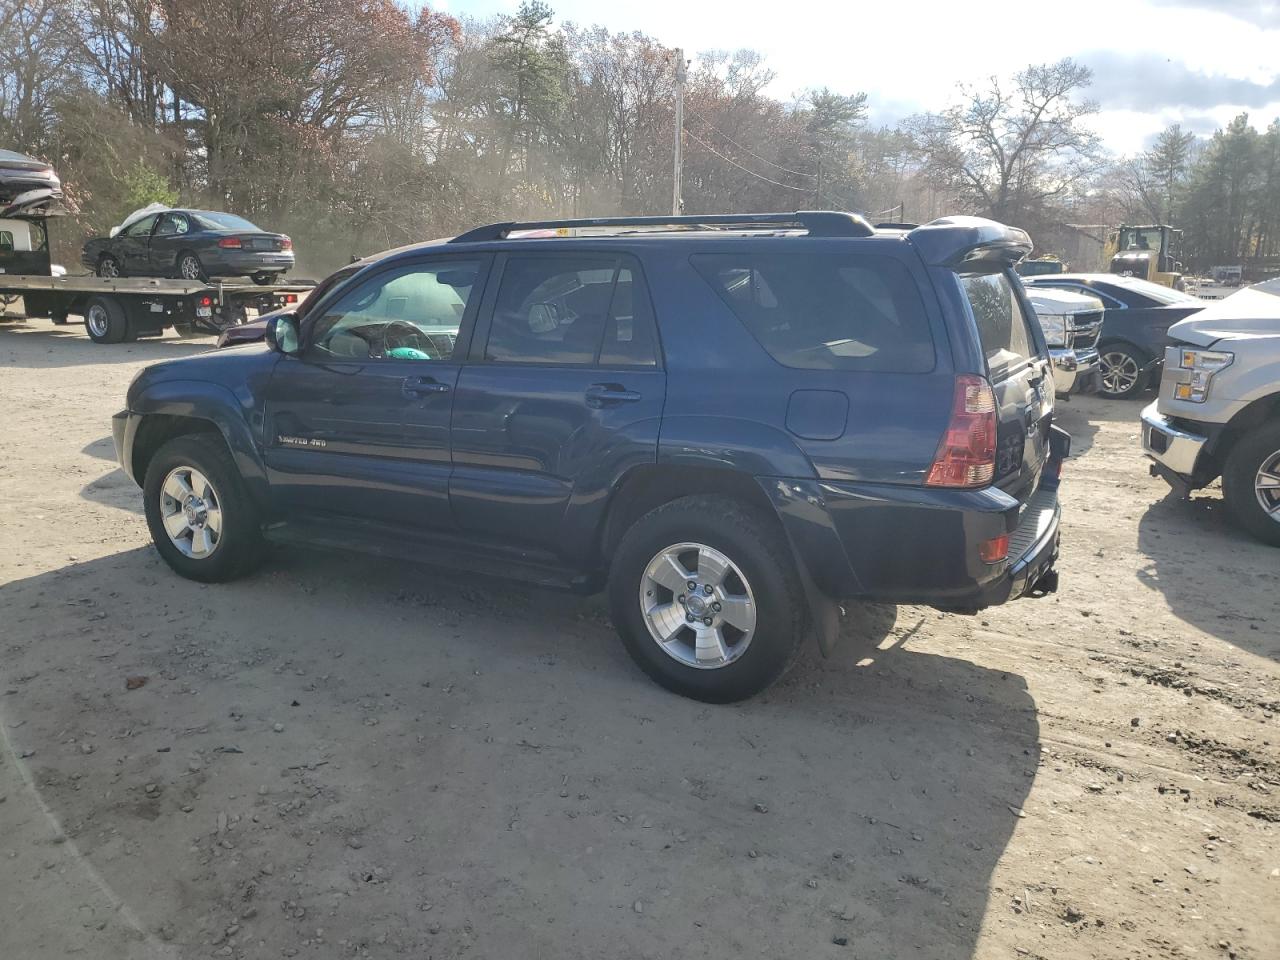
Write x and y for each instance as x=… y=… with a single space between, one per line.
x=826 y=312
x=1002 y=326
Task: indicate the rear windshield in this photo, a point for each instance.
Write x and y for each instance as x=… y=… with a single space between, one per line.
x=223 y=221
x=1001 y=324
x=825 y=312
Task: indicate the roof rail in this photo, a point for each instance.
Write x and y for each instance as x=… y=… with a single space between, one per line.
x=819 y=223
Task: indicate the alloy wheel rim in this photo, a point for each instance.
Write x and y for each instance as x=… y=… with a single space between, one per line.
x=190 y=268
x=191 y=512
x=108 y=268
x=97 y=320
x=698 y=606
x=1119 y=372
x=1266 y=486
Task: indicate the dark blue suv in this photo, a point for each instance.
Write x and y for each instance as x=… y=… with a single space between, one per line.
x=730 y=423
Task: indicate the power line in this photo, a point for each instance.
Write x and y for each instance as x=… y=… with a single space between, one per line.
x=748 y=151
x=777 y=183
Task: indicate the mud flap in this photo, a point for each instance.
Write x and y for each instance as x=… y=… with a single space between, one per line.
x=824 y=613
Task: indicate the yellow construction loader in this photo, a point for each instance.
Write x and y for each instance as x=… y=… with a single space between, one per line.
x=1148 y=253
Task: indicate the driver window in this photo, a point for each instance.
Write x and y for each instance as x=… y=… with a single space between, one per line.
x=141 y=228
x=411 y=312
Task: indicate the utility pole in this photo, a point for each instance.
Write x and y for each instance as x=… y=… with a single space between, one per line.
x=677 y=202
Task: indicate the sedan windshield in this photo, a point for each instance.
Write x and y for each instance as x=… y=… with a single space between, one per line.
x=211 y=220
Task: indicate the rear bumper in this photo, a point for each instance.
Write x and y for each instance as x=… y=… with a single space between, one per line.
x=243 y=263
x=1075 y=371
x=901 y=544
x=1174 y=448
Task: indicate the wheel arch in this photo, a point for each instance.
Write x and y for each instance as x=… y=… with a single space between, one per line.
x=1255 y=414
x=179 y=408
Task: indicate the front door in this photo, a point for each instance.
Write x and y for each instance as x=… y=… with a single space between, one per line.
x=169 y=239
x=357 y=425
x=132 y=245
x=563 y=394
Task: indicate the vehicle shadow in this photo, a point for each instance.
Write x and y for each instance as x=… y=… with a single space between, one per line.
x=497 y=756
x=39 y=343
x=1082 y=414
x=1213 y=575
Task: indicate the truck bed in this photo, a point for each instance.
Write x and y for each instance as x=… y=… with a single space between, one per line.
x=87 y=284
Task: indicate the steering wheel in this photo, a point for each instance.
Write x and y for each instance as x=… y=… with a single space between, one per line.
x=412 y=340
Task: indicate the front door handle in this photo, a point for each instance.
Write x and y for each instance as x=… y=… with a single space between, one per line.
x=603 y=394
x=422 y=386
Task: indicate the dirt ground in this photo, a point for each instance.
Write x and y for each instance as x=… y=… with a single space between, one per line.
x=349 y=757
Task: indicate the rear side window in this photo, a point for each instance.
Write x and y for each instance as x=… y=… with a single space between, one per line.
x=1002 y=327
x=825 y=312
x=571 y=309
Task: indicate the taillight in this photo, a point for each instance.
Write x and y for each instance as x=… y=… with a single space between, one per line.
x=286 y=244
x=966 y=455
x=230 y=243
x=995 y=549
x=206 y=301
x=290 y=298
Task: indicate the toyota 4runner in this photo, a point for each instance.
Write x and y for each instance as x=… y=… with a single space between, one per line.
x=729 y=423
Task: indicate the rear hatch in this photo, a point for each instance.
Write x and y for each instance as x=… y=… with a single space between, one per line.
x=1018 y=368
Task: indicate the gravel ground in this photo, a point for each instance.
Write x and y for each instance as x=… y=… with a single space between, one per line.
x=351 y=757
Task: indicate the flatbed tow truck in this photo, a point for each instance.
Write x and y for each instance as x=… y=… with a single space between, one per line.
x=118 y=309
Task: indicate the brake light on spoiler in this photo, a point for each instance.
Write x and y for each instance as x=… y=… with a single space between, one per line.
x=966 y=456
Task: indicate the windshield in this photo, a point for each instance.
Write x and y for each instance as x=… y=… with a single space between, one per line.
x=1155 y=291
x=223 y=221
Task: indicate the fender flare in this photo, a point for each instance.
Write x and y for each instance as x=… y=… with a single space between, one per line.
x=216 y=404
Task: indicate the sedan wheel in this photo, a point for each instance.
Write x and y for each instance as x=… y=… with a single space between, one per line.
x=1121 y=373
x=189 y=267
x=108 y=267
x=191 y=512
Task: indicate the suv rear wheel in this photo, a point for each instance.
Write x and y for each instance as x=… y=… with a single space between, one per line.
x=1251 y=483
x=201 y=518
x=706 y=599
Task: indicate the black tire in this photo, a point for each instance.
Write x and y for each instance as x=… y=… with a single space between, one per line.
x=108 y=267
x=755 y=544
x=1121 y=371
x=59 y=319
x=105 y=320
x=239 y=547
x=1257 y=449
x=189 y=267
x=262 y=278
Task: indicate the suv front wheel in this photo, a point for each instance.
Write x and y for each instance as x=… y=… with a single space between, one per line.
x=201 y=518
x=706 y=598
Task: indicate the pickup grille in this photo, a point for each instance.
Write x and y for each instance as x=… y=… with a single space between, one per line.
x=1087 y=327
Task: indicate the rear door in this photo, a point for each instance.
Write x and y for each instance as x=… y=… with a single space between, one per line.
x=1019 y=369
x=563 y=393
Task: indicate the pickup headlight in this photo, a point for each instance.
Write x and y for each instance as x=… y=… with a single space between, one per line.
x=1200 y=365
x=1057 y=329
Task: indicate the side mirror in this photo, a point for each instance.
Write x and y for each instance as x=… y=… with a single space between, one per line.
x=282 y=334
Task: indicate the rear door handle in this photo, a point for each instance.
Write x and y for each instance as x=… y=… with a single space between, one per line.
x=422 y=386
x=603 y=394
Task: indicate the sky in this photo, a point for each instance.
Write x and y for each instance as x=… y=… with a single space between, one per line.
x=1155 y=62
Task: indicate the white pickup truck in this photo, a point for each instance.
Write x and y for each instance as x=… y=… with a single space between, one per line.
x=1071 y=323
x=1218 y=413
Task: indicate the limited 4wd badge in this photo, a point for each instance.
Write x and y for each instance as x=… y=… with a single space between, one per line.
x=301 y=442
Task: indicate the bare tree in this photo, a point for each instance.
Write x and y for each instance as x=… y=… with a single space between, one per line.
x=1010 y=150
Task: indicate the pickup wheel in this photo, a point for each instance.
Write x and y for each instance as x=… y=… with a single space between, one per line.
x=1121 y=371
x=706 y=598
x=105 y=320
x=1251 y=483
x=202 y=520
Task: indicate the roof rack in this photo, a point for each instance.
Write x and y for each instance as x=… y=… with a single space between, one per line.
x=819 y=223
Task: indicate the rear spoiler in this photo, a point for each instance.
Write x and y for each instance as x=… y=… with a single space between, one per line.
x=969 y=241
